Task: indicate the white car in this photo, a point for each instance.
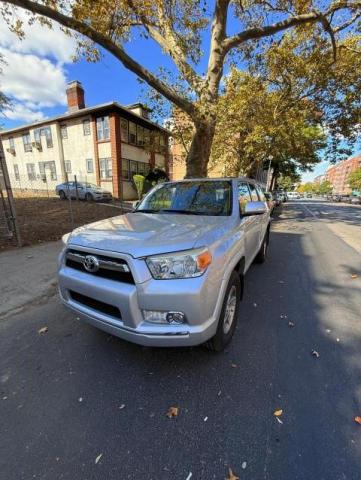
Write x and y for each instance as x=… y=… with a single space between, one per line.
x=293 y=195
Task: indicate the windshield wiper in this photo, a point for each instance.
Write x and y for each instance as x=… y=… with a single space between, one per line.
x=185 y=212
x=147 y=210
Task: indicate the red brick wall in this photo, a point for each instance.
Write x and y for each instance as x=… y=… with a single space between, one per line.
x=116 y=152
x=338 y=174
x=75 y=96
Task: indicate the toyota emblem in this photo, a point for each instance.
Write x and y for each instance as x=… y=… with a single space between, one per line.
x=91 y=263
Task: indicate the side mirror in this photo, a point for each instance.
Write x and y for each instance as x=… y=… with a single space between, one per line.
x=254 y=208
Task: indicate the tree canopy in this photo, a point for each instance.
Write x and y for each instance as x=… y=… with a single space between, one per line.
x=354 y=180
x=187 y=31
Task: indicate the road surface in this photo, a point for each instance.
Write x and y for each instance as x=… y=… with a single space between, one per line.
x=76 y=403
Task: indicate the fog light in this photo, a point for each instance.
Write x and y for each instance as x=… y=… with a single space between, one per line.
x=175 y=317
x=155 y=316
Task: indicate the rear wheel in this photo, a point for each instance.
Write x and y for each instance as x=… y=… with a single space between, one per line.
x=62 y=195
x=262 y=254
x=229 y=315
x=88 y=197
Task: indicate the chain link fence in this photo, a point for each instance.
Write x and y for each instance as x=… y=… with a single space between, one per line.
x=49 y=205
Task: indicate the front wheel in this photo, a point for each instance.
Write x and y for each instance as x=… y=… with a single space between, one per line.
x=229 y=315
x=62 y=195
x=88 y=197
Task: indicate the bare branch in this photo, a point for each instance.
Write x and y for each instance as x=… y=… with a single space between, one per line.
x=109 y=45
x=169 y=44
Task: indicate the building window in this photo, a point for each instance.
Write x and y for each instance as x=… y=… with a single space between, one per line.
x=131 y=168
x=156 y=137
x=89 y=165
x=27 y=142
x=67 y=165
x=48 y=170
x=30 y=168
x=11 y=143
x=124 y=130
x=49 y=139
x=105 y=168
x=132 y=133
x=63 y=131
x=103 y=132
x=86 y=127
x=140 y=135
x=16 y=172
x=146 y=137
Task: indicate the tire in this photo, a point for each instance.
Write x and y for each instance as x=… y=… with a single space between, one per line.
x=227 y=325
x=89 y=197
x=262 y=254
x=62 y=195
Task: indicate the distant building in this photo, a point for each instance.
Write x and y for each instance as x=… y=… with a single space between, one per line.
x=319 y=179
x=106 y=144
x=338 y=175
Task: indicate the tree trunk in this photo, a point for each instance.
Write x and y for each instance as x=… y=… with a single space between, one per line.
x=200 y=150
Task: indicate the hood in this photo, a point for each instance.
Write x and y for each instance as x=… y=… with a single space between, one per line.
x=141 y=234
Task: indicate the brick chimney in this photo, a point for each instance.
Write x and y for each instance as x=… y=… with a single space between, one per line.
x=75 y=96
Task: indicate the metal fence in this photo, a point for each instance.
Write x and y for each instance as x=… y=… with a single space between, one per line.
x=45 y=211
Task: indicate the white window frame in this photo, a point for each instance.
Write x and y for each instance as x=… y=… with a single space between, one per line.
x=106 y=168
x=103 y=128
x=91 y=169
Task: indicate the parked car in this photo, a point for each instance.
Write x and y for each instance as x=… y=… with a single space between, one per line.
x=171 y=273
x=293 y=195
x=355 y=200
x=345 y=198
x=84 y=191
x=270 y=201
x=308 y=195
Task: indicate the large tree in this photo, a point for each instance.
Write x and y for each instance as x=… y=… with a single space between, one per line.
x=354 y=180
x=181 y=29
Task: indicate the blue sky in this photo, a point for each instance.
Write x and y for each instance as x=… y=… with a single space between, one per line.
x=39 y=67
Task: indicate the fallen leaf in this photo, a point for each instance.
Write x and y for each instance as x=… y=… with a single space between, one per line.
x=281 y=281
x=80 y=399
x=244 y=465
x=291 y=324
x=42 y=330
x=277 y=413
x=231 y=475
x=279 y=420
x=337 y=339
x=205 y=419
x=315 y=353
x=234 y=365
x=255 y=304
x=172 y=412
x=121 y=406
x=358 y=420
x=328 y=330
x=354 y=275
x=189 y=476
x=98 y=458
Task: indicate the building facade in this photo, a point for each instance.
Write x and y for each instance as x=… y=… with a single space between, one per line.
x=338 y=175
x=105 y=145
x=319 y=179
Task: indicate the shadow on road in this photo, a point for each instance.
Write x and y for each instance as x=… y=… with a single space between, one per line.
x=76 y=392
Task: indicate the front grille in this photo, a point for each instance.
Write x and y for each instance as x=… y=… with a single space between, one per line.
x=111 y=268
x=96 y=304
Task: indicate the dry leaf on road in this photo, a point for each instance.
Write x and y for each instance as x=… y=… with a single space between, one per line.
x=98 y=458
x=42 y=330
x=234 y=365
x=231 y=475
x=315 y=353
x=172 y=412
x=354 y=275
x=358 y=420
x=291 y=324
x=277 y=413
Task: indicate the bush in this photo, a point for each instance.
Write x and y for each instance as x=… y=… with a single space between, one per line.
x=139 y=184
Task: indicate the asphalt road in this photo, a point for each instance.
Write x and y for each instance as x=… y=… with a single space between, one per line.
x=74 y=393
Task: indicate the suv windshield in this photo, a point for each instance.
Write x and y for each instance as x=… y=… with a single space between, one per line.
x=192 y=198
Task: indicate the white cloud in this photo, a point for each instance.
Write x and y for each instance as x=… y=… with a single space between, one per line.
x=39 y=40
x=21 y=112
x=34 y=76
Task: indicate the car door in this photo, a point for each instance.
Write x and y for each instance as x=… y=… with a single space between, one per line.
x=263 y=218
x=258 y=220
x=249 y=225
x=69 y=189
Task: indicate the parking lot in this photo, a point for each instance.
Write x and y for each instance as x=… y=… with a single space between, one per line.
x=78 y=403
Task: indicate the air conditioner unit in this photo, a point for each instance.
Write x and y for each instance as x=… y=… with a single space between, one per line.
x=36 y=145
x=11 y=150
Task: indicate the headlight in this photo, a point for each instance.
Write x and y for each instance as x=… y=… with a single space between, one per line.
x=186 y=264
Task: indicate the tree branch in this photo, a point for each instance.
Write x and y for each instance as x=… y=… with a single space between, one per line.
x=111 y=47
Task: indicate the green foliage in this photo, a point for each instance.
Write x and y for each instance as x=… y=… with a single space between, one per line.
x=324 y=188
x=139 y=184
x=286 y=183
x=354 y=179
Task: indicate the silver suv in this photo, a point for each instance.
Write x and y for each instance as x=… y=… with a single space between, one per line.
x=171 y=273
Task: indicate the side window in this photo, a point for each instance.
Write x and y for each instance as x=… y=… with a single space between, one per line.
x=243 y=195
x=261 y=193
x=254 y=195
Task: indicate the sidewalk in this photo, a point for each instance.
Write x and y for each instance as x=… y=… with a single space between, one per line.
x=27 y=275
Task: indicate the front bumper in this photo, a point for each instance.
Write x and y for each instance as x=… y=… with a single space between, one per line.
x=195 y=297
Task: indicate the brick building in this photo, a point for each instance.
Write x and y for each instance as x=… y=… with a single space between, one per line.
x=105 y=144
x=338 y=175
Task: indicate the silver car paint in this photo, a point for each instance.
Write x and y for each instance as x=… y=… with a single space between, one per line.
x=134 y=236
